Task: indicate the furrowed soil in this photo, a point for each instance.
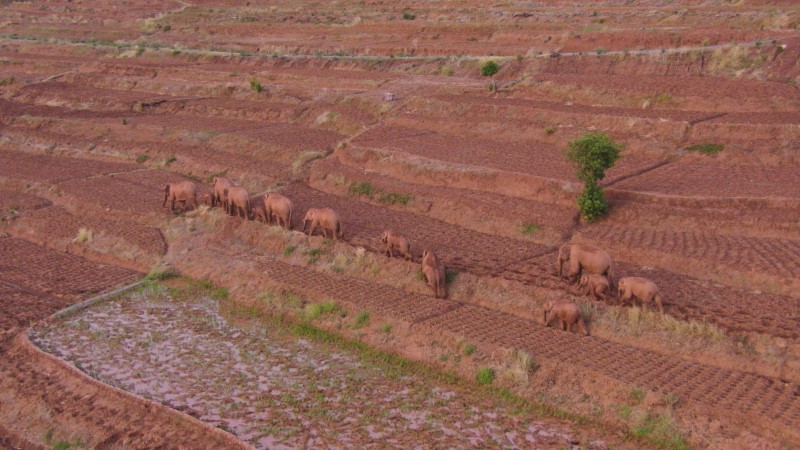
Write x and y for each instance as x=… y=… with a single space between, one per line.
x=381 y=113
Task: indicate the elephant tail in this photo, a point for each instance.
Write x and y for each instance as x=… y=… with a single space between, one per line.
x=610 y=276
x=658 y=302
x=166 y=195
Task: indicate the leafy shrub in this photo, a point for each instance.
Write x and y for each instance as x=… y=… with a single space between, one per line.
x=600 y=50
x=393 y=198
x=141 y=159
x=550 y=130
x=489 y=68
x=591 y=203
x=485 y=375
x=592 y=155
x=363 y=188
x=408 y=15
x=469 y=349
x=706 y=149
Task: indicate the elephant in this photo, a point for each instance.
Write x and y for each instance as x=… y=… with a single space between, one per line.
x=280 y=209
x=642 y=288
x=257 y=210
x=434 y=273
x=325 y=218
x=238 y=201
x=395 y=241
x=583 y=257
x=595 y=285
x=184 y=192
x=218 y=191
x=569 y=314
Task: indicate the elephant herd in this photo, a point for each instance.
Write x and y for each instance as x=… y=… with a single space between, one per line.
x=589 y=266
x=276 y=209
x=596 y=272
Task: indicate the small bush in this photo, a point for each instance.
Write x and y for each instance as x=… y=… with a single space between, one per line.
x=592 y=155
x=447 y=71
x=625 y=411
x=706 y=149
x=449 y=275
x=314 y=311
x=469 y=349
x=362 y=319
x=141 y=159
x=220 y=294
x=489 y=68
x=408 y=15
x=255 y=85
x=139 y=51
x=592 y=204
x=530 y=228
x=362 y=188
x=289 y=250
x=600 y=50
x=7 y=81
x=550 y=130
x=637 y=395
x=169 y=160
x=386 y=329
x=485 y=375
x=393 y=198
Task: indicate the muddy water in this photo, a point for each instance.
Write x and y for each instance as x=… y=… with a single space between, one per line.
x=275 y=391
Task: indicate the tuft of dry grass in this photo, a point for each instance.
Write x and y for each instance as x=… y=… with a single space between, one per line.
x=85 y=236
x=518 y=367
x=304 y=158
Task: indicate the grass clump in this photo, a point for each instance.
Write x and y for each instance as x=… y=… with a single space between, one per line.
x=592 y=155
x=255 y=85
x=489 y=68
x=393 y=198
x=660 y=430
x=469 y=349
x=314 y=311
x=305 y=158
x=386 y=329
x=85 y=236
x=550 y=130
x=408 y=15
x=141 y=159
x=362 y=319
x=169 y=160
x=600 y=50
x=289 y=250
x=485 y=375
x=637 y=395
x=530 y=228
x=706 y=149
x=372 y=192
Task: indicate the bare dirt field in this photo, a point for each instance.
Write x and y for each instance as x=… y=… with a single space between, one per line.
x=381 y=112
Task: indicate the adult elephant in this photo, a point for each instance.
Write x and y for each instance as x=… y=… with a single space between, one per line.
x=279 y=210
x=238 y=201
x=585 y=258
x=645 y=290
x=218 y=196
x=184 y=192
x=324 y=218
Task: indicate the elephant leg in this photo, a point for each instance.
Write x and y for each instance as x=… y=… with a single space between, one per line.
x=600 y=294
x=563 y=325
x=582 y=327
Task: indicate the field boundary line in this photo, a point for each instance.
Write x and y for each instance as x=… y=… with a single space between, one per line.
x=78 y=307
x=455 y=306
x=638 y=172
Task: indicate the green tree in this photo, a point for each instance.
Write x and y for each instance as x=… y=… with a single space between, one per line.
x=592 y=155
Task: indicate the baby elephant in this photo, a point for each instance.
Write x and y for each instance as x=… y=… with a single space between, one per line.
x=185 y=192
x=433 y=271
x=595 y=285
x=569 y=314
x=642 y=288
x=394 y=241
x=325 y=218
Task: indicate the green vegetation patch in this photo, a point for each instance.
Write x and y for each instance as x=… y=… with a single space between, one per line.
x=706 y=149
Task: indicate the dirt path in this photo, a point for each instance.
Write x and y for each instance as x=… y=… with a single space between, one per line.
x=274 y=391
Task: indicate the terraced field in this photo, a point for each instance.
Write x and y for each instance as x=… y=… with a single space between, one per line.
x=380 y=112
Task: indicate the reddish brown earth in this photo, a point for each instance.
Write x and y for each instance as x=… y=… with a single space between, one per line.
x=86 y=91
